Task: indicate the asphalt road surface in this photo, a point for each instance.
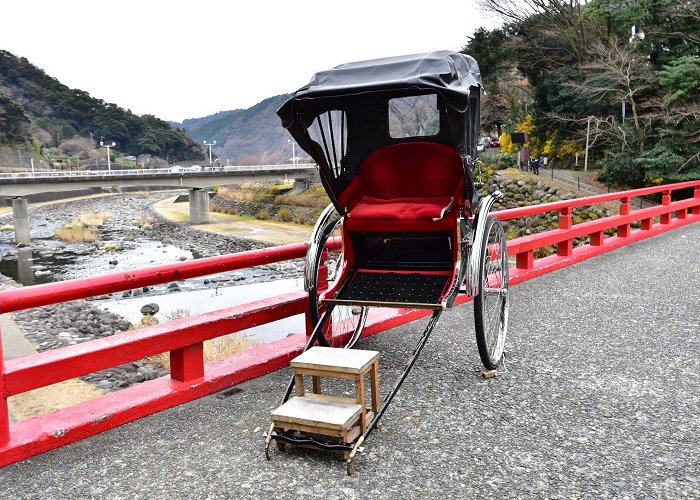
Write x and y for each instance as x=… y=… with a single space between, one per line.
x=600 y=400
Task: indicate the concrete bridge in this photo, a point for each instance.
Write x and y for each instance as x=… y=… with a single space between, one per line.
x=19 y=185
x=599 y=398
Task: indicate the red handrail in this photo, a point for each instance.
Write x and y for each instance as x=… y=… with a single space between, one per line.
x=191 y=378
x=513 y=213
x=52 y=293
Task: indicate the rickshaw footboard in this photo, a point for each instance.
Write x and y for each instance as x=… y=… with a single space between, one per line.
x=392 y=289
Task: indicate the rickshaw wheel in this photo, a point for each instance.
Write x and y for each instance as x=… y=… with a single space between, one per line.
x=344 y=318
x=491 y=304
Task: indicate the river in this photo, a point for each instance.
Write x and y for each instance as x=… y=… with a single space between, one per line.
x=122 y=246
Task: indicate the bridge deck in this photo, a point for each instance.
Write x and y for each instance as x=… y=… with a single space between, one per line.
x=600 y=398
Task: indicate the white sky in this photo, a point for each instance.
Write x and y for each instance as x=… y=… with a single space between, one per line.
x=178 y=59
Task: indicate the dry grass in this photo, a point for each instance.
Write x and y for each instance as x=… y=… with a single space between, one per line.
x=214 y=349
x=51 y=398
x=170 y=211
x=92 y=219
x=144 y=222
x=75 y=235
x=315 y=197
x=82 y=229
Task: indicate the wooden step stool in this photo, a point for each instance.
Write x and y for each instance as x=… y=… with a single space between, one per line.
x=316 y=413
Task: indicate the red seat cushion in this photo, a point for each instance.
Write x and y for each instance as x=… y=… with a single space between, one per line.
x=370 y=208
x=405 y=187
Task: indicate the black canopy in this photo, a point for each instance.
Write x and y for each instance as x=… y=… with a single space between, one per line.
x=451 y=74
x=347 y=107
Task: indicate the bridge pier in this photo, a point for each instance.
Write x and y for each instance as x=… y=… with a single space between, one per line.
x=20 y=214
x=199 y=206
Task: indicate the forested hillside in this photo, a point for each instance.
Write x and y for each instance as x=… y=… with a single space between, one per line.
x=245 y=136
x=562 y=70
x=38 y=109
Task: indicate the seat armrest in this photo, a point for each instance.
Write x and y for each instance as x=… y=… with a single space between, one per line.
x=446 y=209
x=351 y=195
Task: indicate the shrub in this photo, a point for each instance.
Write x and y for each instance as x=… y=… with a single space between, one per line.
x=284 y=215
x=263 y=215
x=490 y=164
x=619 y=169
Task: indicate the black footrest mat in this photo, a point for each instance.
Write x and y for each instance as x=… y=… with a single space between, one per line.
x=399 y=288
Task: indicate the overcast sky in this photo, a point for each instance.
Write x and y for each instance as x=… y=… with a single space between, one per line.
x=178 y=59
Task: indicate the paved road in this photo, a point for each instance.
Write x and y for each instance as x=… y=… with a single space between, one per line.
x=576 y=179
x=600 y=400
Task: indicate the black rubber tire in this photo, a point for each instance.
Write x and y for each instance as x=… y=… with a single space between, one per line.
x=494 y=228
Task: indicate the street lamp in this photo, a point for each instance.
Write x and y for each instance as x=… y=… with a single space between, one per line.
x=109 y=163
x=294 y=154
x=210 y=144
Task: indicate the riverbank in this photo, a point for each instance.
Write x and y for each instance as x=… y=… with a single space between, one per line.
x=239 y=226
x=135 y=235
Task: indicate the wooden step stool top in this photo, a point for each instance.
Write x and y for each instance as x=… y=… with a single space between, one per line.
x=335 y=360
x=317 y=412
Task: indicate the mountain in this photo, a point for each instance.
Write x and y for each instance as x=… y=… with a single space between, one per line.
x=37 y=108
x=245 y=136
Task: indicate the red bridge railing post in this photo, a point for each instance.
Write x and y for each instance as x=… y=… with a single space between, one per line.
x=565 y=248
x=187 y=363
x=597 y=238
x=666 y=200
x=696 y=209
x=4 y=412
x=525 y=260
x=623 y=231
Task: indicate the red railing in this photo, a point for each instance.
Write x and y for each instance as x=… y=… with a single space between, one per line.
x=191 y=377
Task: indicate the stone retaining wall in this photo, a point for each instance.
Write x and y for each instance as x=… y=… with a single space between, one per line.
x=519 y=193
x=307 y=215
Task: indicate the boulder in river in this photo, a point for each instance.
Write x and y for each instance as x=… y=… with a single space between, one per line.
x=150 y=309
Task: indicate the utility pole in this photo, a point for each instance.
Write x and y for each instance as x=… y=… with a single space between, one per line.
x=294 y=153
x=109 y=162
x=588 y=134
x=210 y=144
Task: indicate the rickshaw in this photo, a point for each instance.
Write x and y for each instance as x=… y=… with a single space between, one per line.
x=395 y=144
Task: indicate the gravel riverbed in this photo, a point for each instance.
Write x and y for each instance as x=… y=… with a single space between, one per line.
x=131 y=237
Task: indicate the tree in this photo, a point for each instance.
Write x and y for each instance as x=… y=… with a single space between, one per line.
x=13 y=121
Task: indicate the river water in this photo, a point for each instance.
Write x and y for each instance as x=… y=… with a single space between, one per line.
x=50 y=260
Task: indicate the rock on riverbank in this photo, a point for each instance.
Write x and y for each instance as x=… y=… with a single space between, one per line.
x=206 y=244
x=70 y=323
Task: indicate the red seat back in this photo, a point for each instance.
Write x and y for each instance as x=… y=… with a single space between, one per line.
x=412 y=170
